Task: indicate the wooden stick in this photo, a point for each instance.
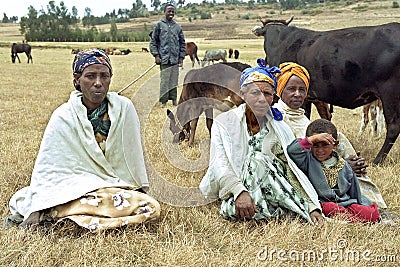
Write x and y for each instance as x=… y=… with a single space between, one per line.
x=140 y=76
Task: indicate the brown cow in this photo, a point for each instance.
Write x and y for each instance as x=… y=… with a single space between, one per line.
x=349 y=67
x=75 y=51
x=324 y=109
x=203 y=90
x=230 y=52
x=191 y=50
x=109 y=51
x=117 y=52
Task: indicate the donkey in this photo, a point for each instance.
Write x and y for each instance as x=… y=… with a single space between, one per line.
x=21 y=48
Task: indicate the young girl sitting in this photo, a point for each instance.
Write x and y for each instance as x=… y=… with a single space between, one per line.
x=333 y=179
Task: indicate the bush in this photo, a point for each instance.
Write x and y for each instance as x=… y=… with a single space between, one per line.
x=395 y=4
x=312 y=12
x=194 y=10
x=205 y=15
x=290 y=4
x=360 y=8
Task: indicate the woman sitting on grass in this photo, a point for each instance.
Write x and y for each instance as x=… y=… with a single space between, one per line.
x=249 y=168
x=90 y=166
x=332 y=177
x=292 y=88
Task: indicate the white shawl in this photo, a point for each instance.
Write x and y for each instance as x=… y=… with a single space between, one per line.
x=295 y=118
x=70 y=163
x=229 y=147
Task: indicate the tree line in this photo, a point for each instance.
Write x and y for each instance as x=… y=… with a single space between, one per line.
x=57 y=23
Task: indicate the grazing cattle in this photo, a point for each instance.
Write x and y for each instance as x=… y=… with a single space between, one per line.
x=236 y=53
x=205 y=89
x=117 y=52
x=109 y=51
x=191 y=50
x=144 y=49
x=212 y=55
x=75 y=51
x=21 y=48
x=377 y=123
x=126 y=51
x=349 y=67
x=230 y=52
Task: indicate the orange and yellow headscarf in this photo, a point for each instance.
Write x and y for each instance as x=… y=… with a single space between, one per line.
x=287 y=70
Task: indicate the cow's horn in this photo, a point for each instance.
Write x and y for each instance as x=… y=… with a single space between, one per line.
x=262 y=21
x=290 y=20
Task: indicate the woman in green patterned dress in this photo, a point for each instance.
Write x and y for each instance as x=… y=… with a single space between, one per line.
x=249 y=168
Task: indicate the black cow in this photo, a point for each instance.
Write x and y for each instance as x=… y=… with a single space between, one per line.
x=126 y=51
x=236 y=52
x=349 y=67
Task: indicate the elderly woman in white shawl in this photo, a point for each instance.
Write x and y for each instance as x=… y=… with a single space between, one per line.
x=249 y=169
x=90 y=167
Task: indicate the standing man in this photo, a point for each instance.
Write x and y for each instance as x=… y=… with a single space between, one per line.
x=167 y=45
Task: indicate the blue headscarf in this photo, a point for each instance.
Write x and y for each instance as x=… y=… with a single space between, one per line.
x=262 y=73
x=89 y=57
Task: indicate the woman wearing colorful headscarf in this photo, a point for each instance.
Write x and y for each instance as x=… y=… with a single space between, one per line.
x=90 y=167
x=249 y=168
x=292 y=88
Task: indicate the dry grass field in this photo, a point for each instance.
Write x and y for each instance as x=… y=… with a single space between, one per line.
x=188 y=233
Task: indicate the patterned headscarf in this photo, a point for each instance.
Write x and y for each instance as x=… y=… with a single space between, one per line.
x=260 y=73
x=89 y=57
x=287 y=70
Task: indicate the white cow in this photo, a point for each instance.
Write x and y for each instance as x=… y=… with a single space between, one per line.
x=377 y=122
x=212 y=55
